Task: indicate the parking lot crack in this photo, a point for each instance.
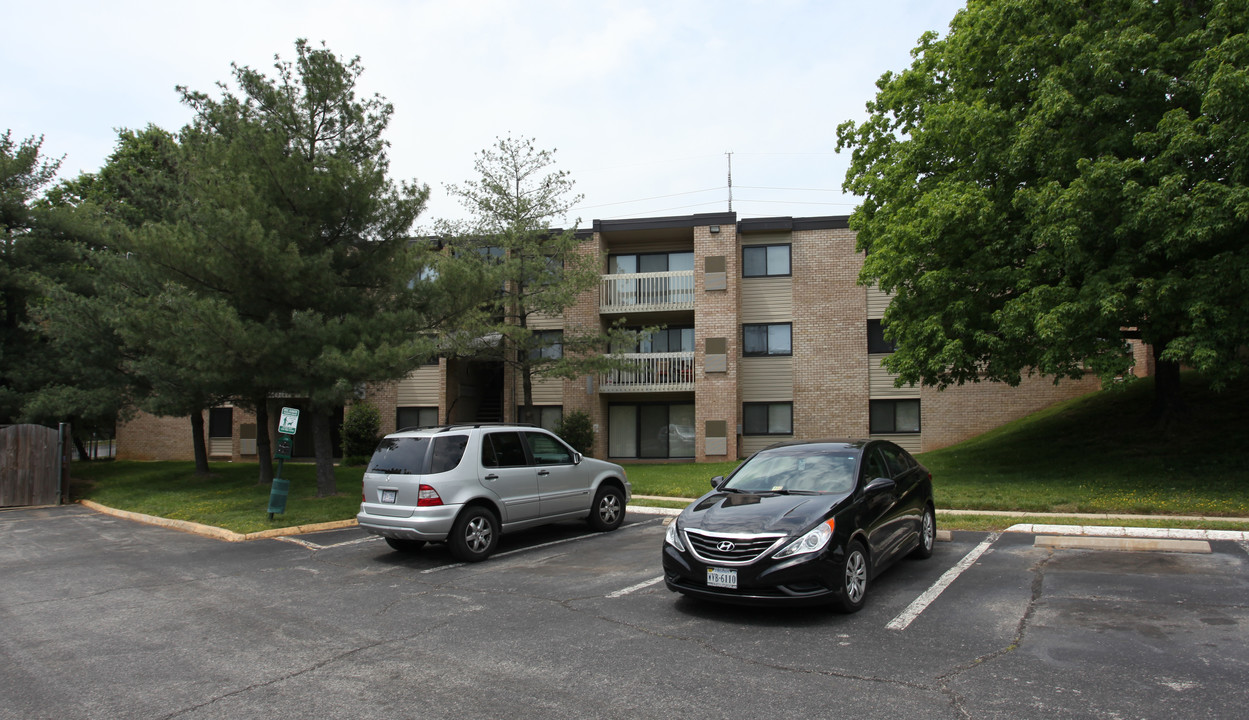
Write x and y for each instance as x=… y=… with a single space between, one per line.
x=1021 y=631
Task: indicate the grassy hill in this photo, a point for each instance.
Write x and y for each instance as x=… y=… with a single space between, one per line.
x=1102 y=453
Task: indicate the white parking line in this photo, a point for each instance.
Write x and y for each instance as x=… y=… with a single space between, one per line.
x=923 y=601
x=635 y=588
x=440 y=568
x=315 y=546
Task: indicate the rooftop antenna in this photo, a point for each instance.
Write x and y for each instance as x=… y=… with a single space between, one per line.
x=730 y=156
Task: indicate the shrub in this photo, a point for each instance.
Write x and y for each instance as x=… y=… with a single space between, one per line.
x=577 y=430
x=361 y=431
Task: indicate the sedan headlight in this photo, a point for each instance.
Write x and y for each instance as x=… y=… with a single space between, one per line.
x=813 y=541
x=673 y=536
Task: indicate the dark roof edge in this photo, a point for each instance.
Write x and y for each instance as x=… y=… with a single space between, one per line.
x=782 y=224
x=661 y=223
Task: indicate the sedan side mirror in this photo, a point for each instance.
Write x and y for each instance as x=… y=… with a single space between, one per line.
x=576 y=458
x=880 y=485
x=717 y=481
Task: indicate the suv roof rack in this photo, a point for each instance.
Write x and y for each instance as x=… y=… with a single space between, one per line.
x=464 y=425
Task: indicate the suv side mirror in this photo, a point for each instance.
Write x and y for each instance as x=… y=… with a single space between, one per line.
x=717 y=481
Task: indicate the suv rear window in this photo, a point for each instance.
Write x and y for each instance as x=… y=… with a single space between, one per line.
x=408 y=455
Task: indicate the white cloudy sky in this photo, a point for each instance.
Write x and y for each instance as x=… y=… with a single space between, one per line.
x=641 y=99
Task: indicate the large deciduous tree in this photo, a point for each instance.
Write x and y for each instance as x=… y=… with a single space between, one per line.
x=537 y=268
x=1052 y=177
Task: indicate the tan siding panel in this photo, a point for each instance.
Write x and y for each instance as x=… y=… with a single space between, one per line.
x=754 y=443
x=877 y=301
x=909 y=442
x=548 y=391
x=880 y=381
x=767 y=379
x=419 y=388
x=779 y=238
x=545 y=322
x=767 y=300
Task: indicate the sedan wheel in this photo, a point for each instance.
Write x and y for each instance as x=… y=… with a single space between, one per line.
x=927 y=534
x=474 y=535
x=609 y=509
x=855 y=570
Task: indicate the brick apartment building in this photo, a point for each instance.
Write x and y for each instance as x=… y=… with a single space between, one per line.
x=767 y=337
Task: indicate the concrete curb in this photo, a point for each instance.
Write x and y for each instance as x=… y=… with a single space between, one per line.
x=1130 y=532
x=212 y=531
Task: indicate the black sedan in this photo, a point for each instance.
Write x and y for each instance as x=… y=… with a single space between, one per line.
x=803 y=523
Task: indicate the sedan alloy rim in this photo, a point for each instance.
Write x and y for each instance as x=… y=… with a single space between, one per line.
x=928 y=531
x=856 y=576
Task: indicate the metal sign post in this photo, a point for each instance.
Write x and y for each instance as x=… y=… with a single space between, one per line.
x=286 y=441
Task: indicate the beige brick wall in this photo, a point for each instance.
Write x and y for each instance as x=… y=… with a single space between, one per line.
x=830 y=336
x=585 y=314
x=717 y=396
x=959 y=412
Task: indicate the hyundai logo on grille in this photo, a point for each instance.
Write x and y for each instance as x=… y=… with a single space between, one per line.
x=725 y=546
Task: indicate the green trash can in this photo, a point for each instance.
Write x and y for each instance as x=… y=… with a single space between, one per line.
x=277 y=495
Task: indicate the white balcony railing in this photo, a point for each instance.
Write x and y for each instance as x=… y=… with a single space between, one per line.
x=647 y=292
x=651 y=372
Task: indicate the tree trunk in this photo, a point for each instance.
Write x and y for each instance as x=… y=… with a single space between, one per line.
x=264 y=447
x=1169 y=406
x=197 y=440
x=80 y=448
x=323 y=443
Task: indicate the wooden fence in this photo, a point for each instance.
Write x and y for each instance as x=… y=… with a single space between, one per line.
x=34 y=465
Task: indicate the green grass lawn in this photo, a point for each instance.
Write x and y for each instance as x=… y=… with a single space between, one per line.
x=1096 y=454
x=229 y=498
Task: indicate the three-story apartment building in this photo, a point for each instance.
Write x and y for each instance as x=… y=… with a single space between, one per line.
x=767 y=336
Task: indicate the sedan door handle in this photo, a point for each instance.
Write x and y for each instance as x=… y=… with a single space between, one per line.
x=544 y=472
x=492 y=476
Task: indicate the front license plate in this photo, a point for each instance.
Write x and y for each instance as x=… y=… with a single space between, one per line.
x=389 y=496
x=722 y=577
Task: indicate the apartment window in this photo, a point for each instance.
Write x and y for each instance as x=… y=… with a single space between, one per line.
x=765 y=340
x=650 y=430
x=670 y=339
x=876 y=342
x=221 y=422
x=650 y=262
x=894 y=416
x=406 y=417
x=548 y=344
x=768 y=418
x=544 y=416
x=765 y=261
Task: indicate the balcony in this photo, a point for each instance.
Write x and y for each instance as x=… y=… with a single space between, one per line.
x=651 y=372
x=647 y=292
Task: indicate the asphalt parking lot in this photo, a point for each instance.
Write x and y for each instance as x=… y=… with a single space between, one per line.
x=102 y=617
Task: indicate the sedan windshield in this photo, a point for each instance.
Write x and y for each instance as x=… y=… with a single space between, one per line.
x=795 y=470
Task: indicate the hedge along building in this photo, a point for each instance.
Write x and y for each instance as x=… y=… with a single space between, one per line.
x=766 y=337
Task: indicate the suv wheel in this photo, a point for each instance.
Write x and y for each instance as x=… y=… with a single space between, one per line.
x=474 y=535
x=608 y=510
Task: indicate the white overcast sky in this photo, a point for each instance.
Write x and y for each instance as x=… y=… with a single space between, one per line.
x=640 y=99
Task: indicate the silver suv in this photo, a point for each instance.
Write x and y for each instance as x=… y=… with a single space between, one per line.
x=467 y=484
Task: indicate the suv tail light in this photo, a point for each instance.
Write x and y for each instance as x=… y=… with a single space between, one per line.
x=426 y=496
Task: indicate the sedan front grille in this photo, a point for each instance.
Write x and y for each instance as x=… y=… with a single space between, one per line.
x=730 y=549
